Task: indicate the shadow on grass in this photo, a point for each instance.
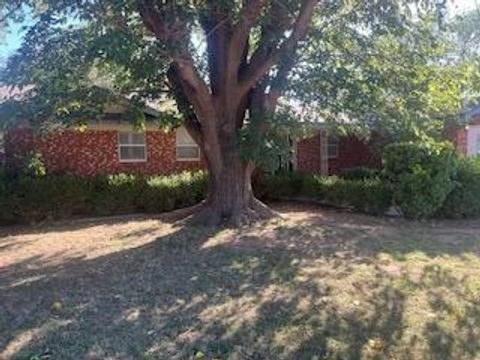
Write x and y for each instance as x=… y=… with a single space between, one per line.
x=181 y=296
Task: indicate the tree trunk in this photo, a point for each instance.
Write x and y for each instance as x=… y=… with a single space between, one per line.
x=230 y=199
x=215 y=112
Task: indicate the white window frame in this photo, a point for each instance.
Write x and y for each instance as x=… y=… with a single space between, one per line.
x=189 y=144
x=120 y=145
x=329 y=145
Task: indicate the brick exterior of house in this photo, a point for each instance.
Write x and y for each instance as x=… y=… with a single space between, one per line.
x=459 y=138
x=352 y=152
x=95 y=152
x=463 y=137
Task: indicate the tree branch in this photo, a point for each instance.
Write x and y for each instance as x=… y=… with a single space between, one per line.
x=254 y=74
x=279 y=82
x=249 y=16
x=191 y=122
x=217 y=25
x=278 y=23
x=200 y=117
x=193 y=85
x=194 y=88
x=154 y=19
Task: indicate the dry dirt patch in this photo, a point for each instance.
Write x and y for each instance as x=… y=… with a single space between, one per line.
x=318 y=283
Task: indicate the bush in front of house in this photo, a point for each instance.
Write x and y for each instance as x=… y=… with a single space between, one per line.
x=49 y=197
x=6 y=214
x=367 y=195
x=116 y=194
x=285 y=185
x=464 y=200
x=26 y=199
x=165 y=193
x=420 y=176
x=360 y=173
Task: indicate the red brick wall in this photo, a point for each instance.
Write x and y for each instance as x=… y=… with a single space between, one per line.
x=352 y=152
x=458 y=135
x=460 y=140
x=308 y=155
x=96 y=152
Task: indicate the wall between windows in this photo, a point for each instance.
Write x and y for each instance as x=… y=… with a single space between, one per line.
x=352 y=152
x=464 y=138
x=94 y=152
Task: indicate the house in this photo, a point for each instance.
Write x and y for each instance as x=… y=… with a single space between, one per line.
x=324 y=153
x=111 y=145
x=467 y=138
x=107 y=146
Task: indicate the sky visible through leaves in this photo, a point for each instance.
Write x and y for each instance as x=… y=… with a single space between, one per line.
x=11 y=39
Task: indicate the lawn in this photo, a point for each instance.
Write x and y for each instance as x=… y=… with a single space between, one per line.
x=319 y=284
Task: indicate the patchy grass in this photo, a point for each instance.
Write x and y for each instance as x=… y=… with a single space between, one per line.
x=319 y=284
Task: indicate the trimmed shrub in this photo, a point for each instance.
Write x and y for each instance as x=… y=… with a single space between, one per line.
x=360 y=173
x=286 y=185
x=49 y=197
x=116 y=194
x=369 y=195
x=33 y=199
x=164 y=193
x=464 y=200
x=6 y=199
x=420 y=176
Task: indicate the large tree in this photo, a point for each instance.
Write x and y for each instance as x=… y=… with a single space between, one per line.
x=225 y=63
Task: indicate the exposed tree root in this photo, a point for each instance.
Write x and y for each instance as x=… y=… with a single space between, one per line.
x=210 y=215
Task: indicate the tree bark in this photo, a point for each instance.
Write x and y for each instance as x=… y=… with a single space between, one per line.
x=230 y=198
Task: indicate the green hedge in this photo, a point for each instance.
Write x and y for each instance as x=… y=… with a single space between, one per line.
x=367 y=195
x=360 y=173
x=423 y=180
x=464 y=200
x=29 y=199
x=420 y=176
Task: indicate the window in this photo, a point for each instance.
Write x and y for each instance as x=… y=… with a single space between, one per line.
x=132 y=147
x=187 y=148
x=332 y=147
